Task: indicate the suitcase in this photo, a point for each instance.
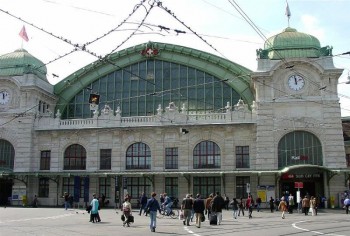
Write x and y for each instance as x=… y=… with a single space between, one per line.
x=213 y=219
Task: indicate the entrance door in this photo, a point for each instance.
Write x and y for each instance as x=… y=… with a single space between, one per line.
x=6 y=191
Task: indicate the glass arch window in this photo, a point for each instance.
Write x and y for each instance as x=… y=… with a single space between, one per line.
x=299 y=147
x=75 y=157
x=141 y=87
x=138 y=156
x=206 y=154
x=7 y=155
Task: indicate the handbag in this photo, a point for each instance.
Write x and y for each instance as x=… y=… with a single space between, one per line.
x=181 y=215
x=202 y=218
x=122 y=217
x=131 y=218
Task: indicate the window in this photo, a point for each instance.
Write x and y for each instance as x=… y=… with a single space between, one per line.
x=242 y=157
x=299 y=147
x=68 y=185
x=137 y=185
x=206 y=155
x=7 y=155
x=171 y=186
x=75 y=158
x=138 y=156
x=241 y=186
x=45 y=157
x=171 y=158
x=104 y=187
x=44 y=187
x=206 y=185
x=105 y=159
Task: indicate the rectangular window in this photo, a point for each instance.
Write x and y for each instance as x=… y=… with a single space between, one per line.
x=171 y=158
x=206 y=185
x=68 y=185
x=136 y=186
x=105 y=159
x=171 y=187
x=241 y=186
x=45 y=157
x=104 y=187
x=44 y=187
x=242 y=157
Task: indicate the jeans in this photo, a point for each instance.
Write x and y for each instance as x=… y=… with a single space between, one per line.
x=235 y=213
x=66 y=205
x=153 y=217
x=168 y=208
x=142 y=208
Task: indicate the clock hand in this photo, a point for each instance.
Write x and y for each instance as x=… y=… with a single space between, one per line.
x=295 y=80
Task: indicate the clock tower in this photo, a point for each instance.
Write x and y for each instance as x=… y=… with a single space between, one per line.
x=298 y=112
x=25 y=94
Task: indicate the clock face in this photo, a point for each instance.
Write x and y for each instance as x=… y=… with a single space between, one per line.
x=4 y=97
x=296 y=82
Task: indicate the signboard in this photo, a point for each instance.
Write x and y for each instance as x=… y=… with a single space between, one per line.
x=270 y=192
x=248 y=187
x=261 y=192
x=18 y=193
x=298 y=185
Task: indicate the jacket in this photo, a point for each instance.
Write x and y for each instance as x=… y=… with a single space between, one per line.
x=198 y=205
x=152 y=204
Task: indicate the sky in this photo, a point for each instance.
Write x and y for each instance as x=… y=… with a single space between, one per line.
x=213 y=26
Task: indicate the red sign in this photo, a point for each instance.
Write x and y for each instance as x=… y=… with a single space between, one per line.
x=298 y=184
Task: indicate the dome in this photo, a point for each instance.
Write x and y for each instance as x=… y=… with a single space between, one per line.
x=291 y=44
x=21 y=62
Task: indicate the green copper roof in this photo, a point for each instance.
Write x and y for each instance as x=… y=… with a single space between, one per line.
x=291 y=44
x=21 y=62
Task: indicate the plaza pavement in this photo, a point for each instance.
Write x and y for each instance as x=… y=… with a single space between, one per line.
x=59 y=222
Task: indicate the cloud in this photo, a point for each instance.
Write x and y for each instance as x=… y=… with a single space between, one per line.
x=311 y=26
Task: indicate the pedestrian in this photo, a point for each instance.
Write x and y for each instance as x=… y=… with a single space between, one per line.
x=249 y=205
x=94 y=216
x=143 y=202
x=234 y=205
x=35 y=201
x=282 y=206
x=217 y=204
x=198 y=207
x=290 y=203
x=347 y=204
x=313 y=205
x=272 y=202
x=186 y=206
x=241 y=207
x=208 y=205
x=161 y=199
x=127 y=212
x=258 y=203
x=151 y=208
x=227 y=201
x=66 y=200
x=306 y=205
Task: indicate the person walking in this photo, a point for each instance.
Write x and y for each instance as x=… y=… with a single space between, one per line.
x=151 y=207
x=143 y=202
x=234 y=205
x=306 y=205
x=208 y=205
x=313 y=205
x=66 y=200
x=272 y=204
x=347 y=204
x=127 y=212
x=198 y=207
x=258 y=204
x=249 y=205
x=282 y=206
x=186 y=207
x=241 y=207
x=94 y=216
x=217 y=205
x=227 y=201
x=290 y=203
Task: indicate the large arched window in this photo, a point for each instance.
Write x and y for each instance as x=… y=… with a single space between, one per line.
x=7 y=155
x=138 y=156
x=75 y=158
x=299 y=147
x=206 y=155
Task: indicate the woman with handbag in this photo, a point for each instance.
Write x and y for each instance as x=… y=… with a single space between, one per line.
x=127 y=212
